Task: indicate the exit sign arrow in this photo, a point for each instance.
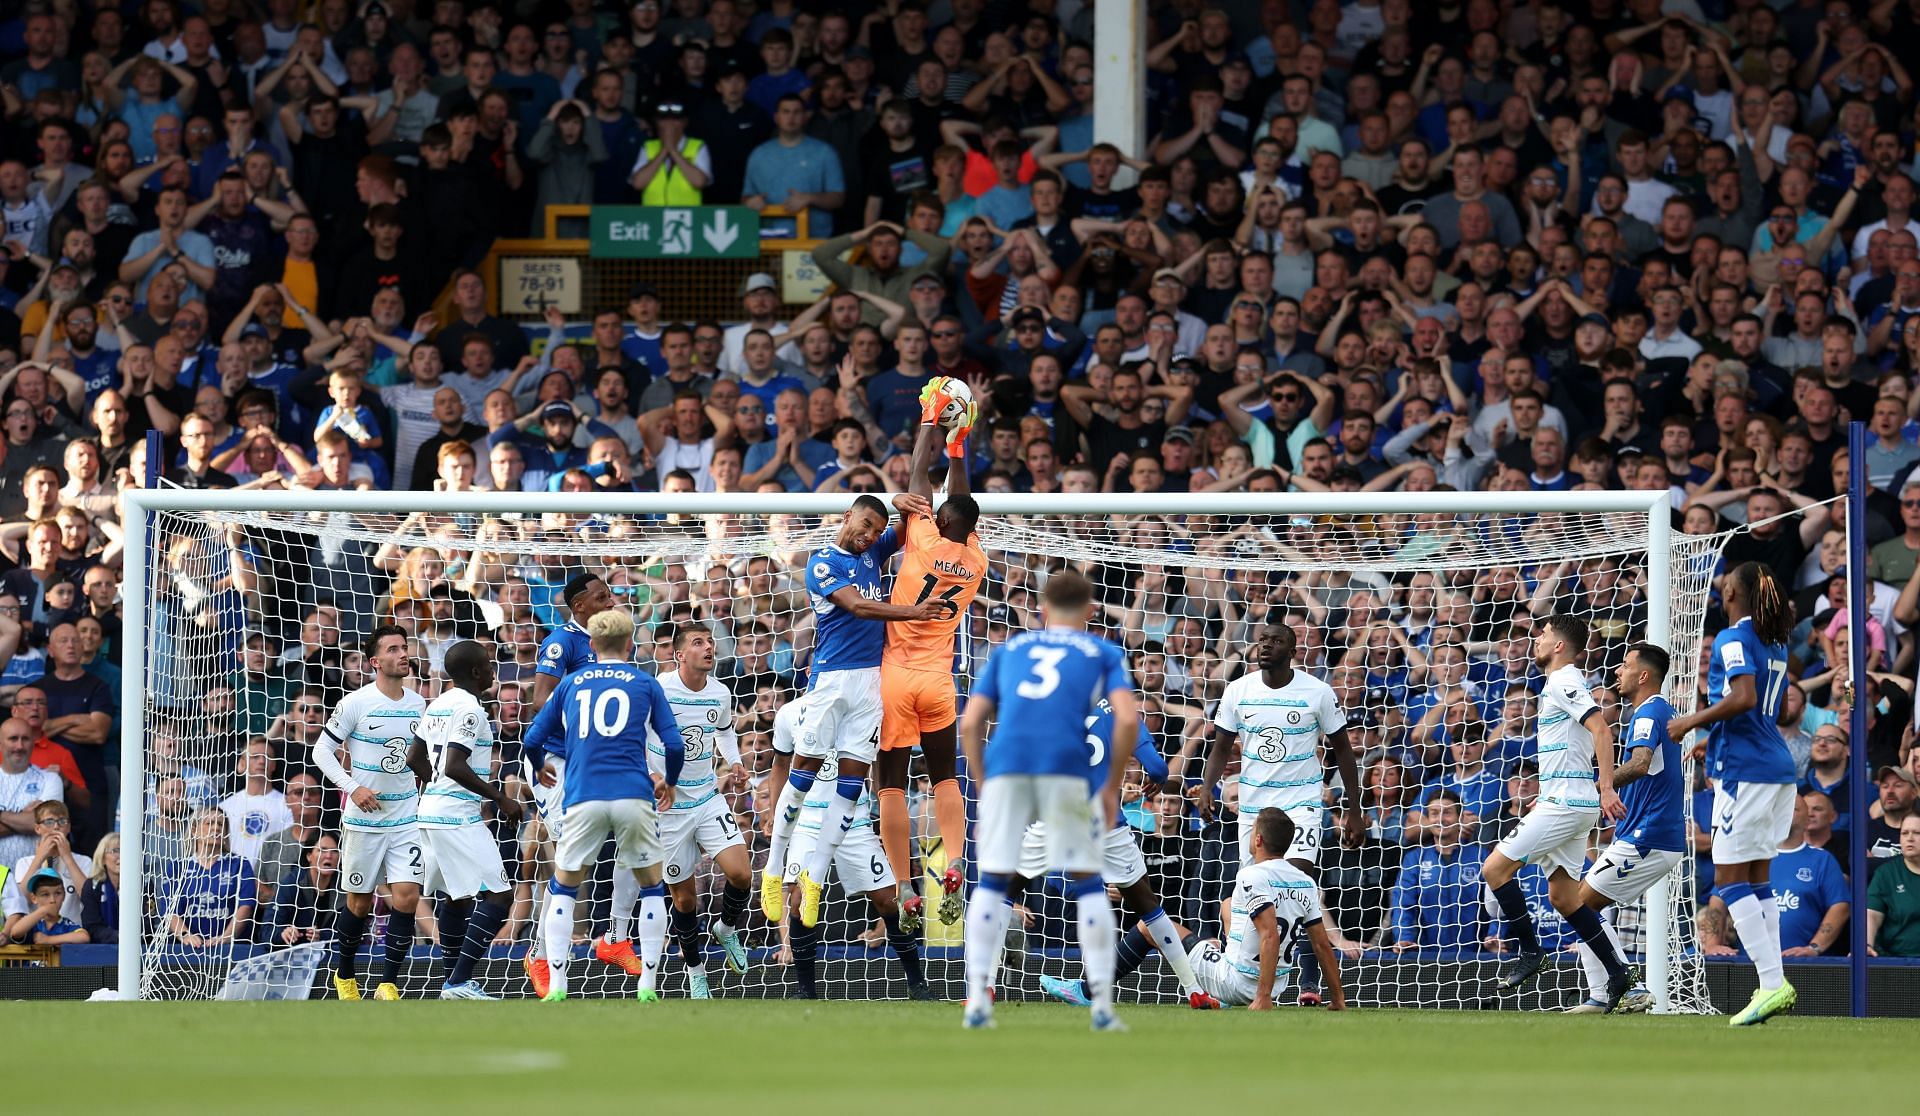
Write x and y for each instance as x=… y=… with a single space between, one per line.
x=720 y=232
x=673 y=232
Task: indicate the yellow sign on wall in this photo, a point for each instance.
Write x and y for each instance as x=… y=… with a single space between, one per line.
x=530 y=284
x=801 y=280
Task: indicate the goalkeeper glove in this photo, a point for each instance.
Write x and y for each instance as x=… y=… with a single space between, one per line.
x=957 y=437
x=933 y=400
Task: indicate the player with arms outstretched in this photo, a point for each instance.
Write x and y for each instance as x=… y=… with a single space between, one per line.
x=1575 y=740
x=842 y=715
x=453 y=757
x=1125 y=870
x=596 y=725
x=1283 y=723
x=942 y=560
x=1275 y=904
x=701 y=822
x=1043 y=684
x=1647 y=843
x=379 y=841
x=565 y=650
x=1752 y=771
x=859 y=862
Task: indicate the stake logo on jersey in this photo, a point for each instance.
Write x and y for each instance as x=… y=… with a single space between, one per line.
x=845 y=641
x=1655 y=800
x=705 y=717
x=1039 y=681
x=455 y=719
x=1748 y=748
x=1281 y=732
x=378 y=731
x=1566 y=747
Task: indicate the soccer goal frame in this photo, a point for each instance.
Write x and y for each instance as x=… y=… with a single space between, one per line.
x=140 y=504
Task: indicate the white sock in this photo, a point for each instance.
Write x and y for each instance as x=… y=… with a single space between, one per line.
x=1770 y=910
x=538 y=947
x=1000 y=954
x=652 y=935
x=625 y=890
x=1750 y=921
x=832 y=827
x=987 y=919
x=1596 y=973
x=1167 y=940
x=1097 y=929
x=785 y=812
x=558 y=925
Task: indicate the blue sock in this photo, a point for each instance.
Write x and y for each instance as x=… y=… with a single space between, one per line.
x=733 y=906
x=483 y=925
x=1130 y=954
x=685 y=928
x=349 y=930
x=453 y=915
x=1513 y=907
x=399 y=944
x=1586 y=923
x=905 y=948
x=803 y=940
x=1307 y=965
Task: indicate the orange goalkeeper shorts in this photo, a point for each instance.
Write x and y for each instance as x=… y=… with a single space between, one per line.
x=913 y=702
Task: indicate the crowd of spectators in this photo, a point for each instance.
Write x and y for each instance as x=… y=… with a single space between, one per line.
x=1541 y=245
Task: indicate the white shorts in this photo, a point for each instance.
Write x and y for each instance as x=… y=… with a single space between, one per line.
x=1218 y=976
x=369 y=857
x=1074 y=828
x=1306 y=834
x=1624 y=873
x=704 y=830
x=1750 y=820
x=463 y=862
x=1120 y=861
x=548 y=800
x=859 y=862
x=1552 y=836
x=629 y=821
x=841 y=714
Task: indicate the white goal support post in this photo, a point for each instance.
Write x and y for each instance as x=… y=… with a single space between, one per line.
x=1414 y=607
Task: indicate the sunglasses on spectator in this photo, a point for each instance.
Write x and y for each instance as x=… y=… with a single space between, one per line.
x=1910 y=503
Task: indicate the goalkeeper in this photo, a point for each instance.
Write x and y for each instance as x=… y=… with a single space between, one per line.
x=942 y=559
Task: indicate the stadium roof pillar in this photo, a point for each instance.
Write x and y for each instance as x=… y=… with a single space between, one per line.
x=1120 y=75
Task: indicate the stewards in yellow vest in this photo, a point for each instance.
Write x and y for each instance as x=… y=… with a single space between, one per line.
x=675 y=168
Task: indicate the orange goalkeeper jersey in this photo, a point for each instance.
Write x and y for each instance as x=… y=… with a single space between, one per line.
x=932 y=566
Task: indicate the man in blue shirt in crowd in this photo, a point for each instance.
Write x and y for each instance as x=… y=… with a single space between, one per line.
x=1436 y=900
x=793 y=170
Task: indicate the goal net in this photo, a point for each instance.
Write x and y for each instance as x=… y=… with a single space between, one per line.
x=1416 y=609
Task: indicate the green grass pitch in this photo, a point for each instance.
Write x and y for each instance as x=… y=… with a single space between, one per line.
x=844 y=1057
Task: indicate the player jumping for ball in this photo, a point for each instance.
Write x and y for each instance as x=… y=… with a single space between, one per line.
x=941 y=560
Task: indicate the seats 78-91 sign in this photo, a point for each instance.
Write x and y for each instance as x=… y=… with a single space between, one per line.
x=665 y=232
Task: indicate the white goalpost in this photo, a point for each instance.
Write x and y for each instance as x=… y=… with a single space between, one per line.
x=1409 y=604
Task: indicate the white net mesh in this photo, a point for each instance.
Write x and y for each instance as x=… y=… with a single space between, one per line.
x=1419 y=622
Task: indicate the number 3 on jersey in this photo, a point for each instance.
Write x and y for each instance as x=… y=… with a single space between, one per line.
x=1045 y=663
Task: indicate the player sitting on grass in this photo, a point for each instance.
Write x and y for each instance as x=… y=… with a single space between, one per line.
x=1751 y=770
x=701 y=822
x=1043 y=685
x=596 y=725
x=858 y=861
x=1574 y=738
x=1275 y=904
x=845 y=586
x=941 y=560
x=453 y=758
x=1647 y=843
x=375 y=726
x=1125 y=870
x=1282 y=722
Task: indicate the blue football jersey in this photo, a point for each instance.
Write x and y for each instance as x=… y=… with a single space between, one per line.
x=1044 y=684
x=597 y=721
x=1655 y=802
x=566 y=649
x=843 y=641
x=1100 y=737
x=1749 y=748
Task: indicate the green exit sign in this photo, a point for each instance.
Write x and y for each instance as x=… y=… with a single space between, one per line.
x=665 y=232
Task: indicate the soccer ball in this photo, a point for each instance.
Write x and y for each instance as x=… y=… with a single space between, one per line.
x=959 y=402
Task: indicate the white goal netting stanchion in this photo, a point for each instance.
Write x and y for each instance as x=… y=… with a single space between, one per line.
x=1416 y=609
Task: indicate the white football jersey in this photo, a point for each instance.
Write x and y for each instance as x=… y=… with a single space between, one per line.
x=378 y=731
x=705 y=717
x=1566 y=747
x=456 y=719
x=1280 y=736
x=813 y=810
x=1295 y=903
